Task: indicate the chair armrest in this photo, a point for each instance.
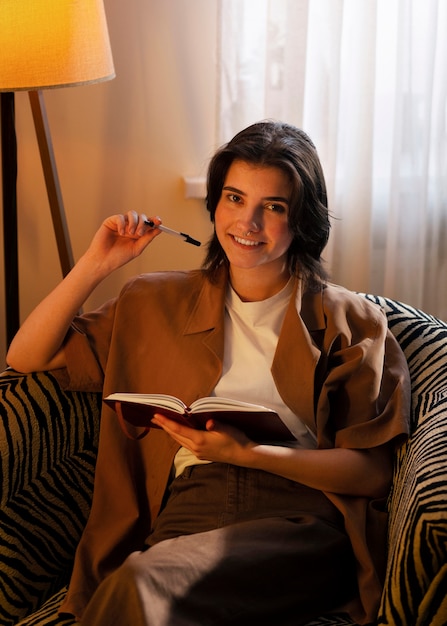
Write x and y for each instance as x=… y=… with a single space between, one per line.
x=415 y=589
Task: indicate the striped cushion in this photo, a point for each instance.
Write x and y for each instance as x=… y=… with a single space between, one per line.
x=48 y=443
x=48 y=615
x=46 y=494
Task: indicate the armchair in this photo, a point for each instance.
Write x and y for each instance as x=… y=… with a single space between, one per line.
x=48 y=443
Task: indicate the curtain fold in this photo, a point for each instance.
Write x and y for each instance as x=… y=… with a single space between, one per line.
x=368 y=82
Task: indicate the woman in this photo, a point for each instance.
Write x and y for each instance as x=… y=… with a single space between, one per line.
x=209 y=527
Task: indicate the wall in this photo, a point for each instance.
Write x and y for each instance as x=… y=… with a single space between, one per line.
x=125 y=144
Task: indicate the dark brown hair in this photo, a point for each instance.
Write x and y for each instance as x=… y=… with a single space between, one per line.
x=276 y=144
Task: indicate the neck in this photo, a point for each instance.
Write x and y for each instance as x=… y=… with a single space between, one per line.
x=256 y=286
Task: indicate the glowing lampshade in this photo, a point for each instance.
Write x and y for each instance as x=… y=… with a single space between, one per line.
x=53 y=43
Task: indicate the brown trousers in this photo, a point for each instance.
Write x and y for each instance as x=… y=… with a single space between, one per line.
x=232 y=546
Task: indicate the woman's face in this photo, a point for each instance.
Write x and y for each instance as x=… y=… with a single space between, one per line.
x=251 y=218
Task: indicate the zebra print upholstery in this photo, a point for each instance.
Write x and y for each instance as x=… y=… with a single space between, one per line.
x=48 y=444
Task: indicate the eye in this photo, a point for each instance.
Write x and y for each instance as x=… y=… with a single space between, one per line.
x=276 y=208
x=233 y=197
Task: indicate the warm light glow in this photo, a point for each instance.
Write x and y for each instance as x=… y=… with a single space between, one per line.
x=53 y=43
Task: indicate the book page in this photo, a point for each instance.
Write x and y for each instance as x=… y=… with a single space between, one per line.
x=154 y=399
x=226 y=404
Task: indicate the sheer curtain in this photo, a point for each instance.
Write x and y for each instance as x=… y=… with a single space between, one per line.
x=368 y=82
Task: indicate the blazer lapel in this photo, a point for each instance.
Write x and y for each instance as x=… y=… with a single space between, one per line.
x=297 y=354
x=207 y=322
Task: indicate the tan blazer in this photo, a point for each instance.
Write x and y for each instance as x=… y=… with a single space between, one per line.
x=336 y=366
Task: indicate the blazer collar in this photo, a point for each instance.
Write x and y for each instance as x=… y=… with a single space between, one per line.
x=207 y=312
x=310 y=308
x=210 y=303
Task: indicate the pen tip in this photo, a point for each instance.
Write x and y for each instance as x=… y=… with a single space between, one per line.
x=194 y=242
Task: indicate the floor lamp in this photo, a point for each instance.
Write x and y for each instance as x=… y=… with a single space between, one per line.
x=45 y=44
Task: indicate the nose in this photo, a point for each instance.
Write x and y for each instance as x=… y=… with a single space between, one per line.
x=250 y=219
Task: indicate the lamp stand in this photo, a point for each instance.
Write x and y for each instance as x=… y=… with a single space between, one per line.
x=10 y=246
x=52 y=180
x=9 y=174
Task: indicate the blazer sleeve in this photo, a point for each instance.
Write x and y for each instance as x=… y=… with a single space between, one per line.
x=365 y=396
x=86 y=348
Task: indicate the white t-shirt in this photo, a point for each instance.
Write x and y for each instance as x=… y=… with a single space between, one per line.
x=251 y=335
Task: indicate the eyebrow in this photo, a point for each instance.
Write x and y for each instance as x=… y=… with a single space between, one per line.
x=269 y=198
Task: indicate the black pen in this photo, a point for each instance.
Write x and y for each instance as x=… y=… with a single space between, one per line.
x=169 y=231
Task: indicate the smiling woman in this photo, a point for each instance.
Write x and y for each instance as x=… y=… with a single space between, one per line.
x=208 y=526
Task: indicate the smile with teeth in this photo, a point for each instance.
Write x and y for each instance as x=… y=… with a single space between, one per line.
x=246 y=242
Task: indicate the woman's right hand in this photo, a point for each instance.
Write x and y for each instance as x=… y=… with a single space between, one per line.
x=120 y=239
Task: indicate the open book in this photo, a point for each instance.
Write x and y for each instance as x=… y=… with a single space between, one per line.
x=258 y=422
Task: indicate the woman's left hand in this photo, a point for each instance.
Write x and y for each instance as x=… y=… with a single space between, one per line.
x=353 y=472
x=219 y=442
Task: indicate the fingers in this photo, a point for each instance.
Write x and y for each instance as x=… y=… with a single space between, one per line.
x=172 y=427
x=134 y=224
